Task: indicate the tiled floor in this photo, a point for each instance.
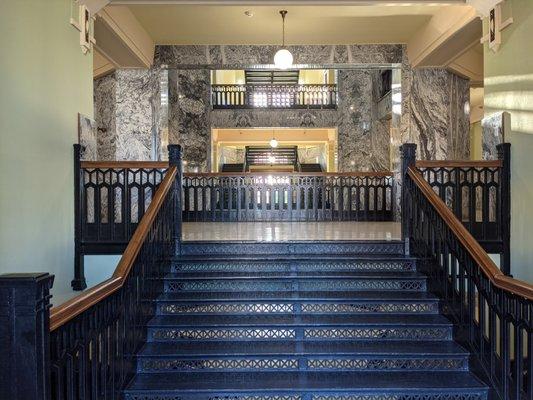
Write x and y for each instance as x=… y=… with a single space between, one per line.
x=284 y=231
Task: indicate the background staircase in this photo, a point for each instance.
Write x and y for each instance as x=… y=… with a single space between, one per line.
x=299 y=322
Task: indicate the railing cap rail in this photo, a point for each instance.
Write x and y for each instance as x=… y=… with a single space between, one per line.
x=279 y=173
x=124 y=164
x=482 y=259
x=65 y=312
x=458 y=163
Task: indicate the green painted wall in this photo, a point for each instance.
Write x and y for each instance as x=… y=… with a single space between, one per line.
x=46 y=81
x=509 y=86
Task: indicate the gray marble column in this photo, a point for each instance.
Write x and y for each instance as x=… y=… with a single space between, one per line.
x=128 y=113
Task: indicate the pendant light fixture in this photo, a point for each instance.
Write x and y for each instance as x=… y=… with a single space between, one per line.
x=283 y=58
x=273 y=141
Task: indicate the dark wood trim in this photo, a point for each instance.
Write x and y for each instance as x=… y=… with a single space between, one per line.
x=489 y=269
x=277 y=173
x=458 y=163
x=65 y=312
x=124 y=164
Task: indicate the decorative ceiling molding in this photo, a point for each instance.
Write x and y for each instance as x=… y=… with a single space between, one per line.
x=122 y=39
x=432 y=41
x=94 y=5
x=483 y=6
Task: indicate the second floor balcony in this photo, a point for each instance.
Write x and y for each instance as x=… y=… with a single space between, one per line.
x=274 y=89
x=274 y=96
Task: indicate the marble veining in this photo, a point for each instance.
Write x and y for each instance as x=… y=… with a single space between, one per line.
x=133 y=123
x=104 y=113
x=87 y=132
x=128 y=114
x=494 y=132
x=439 y=118
x=178 y=56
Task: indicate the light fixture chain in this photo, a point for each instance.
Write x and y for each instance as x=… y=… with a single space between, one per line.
x=283 y=14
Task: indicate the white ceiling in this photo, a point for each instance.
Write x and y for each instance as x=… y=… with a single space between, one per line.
x=215 y=24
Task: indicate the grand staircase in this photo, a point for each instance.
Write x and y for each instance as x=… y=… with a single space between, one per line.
x=306 y=321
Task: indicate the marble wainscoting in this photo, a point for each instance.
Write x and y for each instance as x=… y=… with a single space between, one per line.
x=495 y=130
x=87 y=132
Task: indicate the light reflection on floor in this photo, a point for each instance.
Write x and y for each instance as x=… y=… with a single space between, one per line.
x=285 y=231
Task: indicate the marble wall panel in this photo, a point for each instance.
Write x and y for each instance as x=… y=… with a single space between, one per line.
x=128 y=114
x=137 y=114
x=189 y=116
x=439 y=119
x=105 y=100
x=430 y=111
x=494 y=129
x=87 y=131
x=238 y=55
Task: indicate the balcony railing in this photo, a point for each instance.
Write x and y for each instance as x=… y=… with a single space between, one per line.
x=274 y=96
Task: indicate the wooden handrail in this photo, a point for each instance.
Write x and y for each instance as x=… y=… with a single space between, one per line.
x=65 y=312
x=458 y=163
x=124 y=164
x=164 y=164
x=489 y=269
x=277 y=173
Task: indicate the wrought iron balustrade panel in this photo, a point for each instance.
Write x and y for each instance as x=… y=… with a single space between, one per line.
x=92 y=355
x=214 y=197
x=473 y=194
x=494 y=324
x=113 y=201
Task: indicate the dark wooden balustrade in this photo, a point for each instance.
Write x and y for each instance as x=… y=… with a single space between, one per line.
x=493 y=313
x=95 y=335
x=358 y=196
x=274 y=96
x=478 y=193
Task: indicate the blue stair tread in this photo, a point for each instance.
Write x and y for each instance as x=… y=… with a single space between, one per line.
x=301 y=295
x=304 y=381
x=297 y=275
x=284 y=320
x=298 y=348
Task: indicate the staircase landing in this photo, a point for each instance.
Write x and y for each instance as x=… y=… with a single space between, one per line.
x=290 y=231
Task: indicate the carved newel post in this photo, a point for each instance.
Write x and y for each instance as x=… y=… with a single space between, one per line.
x=25 y=336
x=175 y=159
x=408 y=159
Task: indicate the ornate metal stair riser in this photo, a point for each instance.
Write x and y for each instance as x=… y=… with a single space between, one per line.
x=279 y=266
x=335 y=333
x=380 y=395
x=281 y=363
x=336 y=248
x=301 y=284
x=419 y=307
